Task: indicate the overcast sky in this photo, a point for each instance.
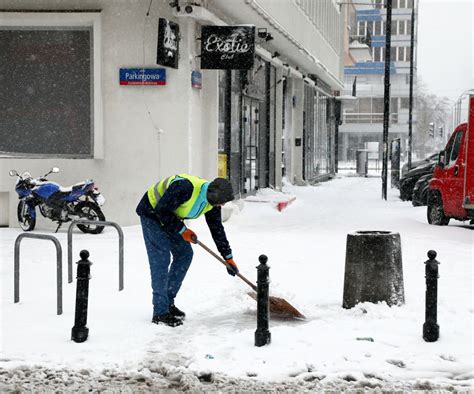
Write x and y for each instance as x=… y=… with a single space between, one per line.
x=446 y=46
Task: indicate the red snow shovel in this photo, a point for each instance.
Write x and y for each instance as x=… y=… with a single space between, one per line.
x=279 y=307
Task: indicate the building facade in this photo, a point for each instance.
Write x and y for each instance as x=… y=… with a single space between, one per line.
x=70 y=96
x=363 y=118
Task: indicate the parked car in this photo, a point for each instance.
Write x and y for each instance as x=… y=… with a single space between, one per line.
x=408 y=181
x=420 y=191
x=430 y=159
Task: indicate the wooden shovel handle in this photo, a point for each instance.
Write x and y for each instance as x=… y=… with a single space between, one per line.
x=227 y=265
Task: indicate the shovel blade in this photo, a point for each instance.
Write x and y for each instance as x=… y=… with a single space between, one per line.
x=281 y=308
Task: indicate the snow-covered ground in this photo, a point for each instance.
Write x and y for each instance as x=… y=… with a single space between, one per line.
x=214 y=349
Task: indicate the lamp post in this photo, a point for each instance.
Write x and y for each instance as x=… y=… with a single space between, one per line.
x=386 y=98
x=410 y=105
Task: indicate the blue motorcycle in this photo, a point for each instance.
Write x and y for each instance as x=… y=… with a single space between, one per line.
x=60 y=204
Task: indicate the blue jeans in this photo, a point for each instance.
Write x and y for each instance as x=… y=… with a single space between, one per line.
x=166 y=279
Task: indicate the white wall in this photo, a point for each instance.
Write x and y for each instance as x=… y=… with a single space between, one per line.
x=298 y=109
x=150 y=131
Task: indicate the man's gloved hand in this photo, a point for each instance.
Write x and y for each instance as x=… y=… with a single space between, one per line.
x=190 y=236
x=232 y=267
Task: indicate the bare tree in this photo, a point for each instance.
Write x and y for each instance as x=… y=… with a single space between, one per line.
x=430 y=109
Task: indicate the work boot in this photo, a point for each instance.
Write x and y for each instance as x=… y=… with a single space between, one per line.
x=167 y=319
x=178 y=313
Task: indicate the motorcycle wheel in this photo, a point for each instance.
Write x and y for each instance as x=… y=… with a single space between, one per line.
x=90 y=211
x=26 y=221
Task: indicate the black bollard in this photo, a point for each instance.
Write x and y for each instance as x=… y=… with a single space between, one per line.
x=262 y=334
x=430 y=327
x=80 y=332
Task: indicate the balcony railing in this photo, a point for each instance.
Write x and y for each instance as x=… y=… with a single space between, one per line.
x=353 y=117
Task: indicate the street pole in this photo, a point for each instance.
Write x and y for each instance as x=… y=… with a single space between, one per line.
x=386 y=98
x=410 y=112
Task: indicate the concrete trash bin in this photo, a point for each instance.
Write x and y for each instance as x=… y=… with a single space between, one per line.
x=362 y=162
x=373 y=270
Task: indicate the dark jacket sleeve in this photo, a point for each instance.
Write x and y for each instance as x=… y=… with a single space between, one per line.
x=214 y=221
x=177 y=193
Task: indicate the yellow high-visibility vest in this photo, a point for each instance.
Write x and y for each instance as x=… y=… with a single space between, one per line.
x=196 y=206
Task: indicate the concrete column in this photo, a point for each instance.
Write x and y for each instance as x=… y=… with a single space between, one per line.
x=297 y=131
x=344 y=146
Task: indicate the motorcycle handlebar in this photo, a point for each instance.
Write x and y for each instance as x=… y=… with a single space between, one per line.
x=28 y=175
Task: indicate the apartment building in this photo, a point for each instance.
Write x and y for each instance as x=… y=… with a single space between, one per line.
x=363 y=118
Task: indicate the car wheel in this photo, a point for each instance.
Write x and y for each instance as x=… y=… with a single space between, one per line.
x=435 y=211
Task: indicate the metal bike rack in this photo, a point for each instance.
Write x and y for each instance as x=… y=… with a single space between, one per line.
x=97 y=223
x=59 y=267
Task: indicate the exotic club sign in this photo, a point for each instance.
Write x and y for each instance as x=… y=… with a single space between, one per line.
x=227 y=47
x=167 y=53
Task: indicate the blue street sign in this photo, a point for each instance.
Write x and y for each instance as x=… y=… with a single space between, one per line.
x=196 y=79
x=142 y=76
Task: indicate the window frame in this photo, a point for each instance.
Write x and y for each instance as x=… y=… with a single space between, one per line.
x=400 y=54
x=456 y=148
x=362 y=28
x=377 y=28
x=68 y=19
x=394 y=26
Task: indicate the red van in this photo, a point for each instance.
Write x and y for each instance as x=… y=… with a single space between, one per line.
x=451 y=193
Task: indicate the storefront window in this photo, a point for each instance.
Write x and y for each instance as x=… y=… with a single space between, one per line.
x=46 y=100
x=317 y=134
x=322 y=135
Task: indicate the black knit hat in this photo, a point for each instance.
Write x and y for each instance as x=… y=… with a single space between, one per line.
x=219 y=192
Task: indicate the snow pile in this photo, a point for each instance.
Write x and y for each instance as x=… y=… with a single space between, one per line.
x=368 y=346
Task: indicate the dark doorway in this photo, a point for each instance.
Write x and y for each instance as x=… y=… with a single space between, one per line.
x=251 y=134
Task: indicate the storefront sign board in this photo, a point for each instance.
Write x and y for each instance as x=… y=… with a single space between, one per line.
x=227 y=47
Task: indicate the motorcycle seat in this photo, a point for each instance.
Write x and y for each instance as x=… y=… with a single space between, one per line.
x=69 y=189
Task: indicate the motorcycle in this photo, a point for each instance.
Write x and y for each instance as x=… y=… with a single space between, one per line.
x=60 y=204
